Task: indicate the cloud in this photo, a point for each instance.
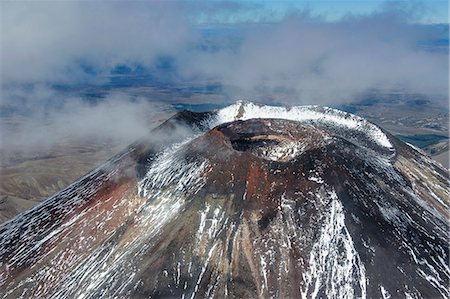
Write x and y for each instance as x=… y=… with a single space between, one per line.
x=76 y=43
x=53 y=41
x=301 y=59
x=118 y=119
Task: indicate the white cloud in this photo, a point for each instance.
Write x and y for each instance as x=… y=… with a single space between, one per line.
x=303 y=60
x=300 y=60
x=118 y=119
x=48 y=41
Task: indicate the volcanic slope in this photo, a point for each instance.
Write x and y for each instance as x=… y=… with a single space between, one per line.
x=257 y=202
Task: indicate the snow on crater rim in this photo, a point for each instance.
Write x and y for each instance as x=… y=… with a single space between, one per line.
x=246 y=110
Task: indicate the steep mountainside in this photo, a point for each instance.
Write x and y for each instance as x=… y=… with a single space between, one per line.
x=246 y=202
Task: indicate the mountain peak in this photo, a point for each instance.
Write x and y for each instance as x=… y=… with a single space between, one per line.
x=313 y=114
x=259 y=201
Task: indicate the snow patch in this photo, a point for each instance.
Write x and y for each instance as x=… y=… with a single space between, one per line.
x=283 y=151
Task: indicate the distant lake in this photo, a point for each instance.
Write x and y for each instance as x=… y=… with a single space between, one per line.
x=422 y=141
x=198 y=107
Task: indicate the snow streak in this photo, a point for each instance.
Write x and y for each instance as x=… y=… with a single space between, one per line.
x=334 y=264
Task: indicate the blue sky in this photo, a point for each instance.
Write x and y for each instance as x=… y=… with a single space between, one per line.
x=271 y=11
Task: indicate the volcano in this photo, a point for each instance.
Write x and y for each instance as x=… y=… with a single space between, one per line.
x=249 y=201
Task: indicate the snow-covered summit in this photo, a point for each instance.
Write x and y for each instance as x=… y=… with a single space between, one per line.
x=243 y=110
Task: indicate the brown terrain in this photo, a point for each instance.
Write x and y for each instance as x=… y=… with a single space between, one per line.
x=25 y=181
